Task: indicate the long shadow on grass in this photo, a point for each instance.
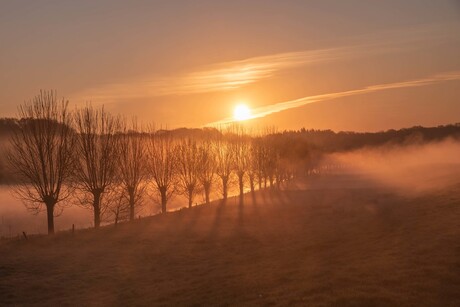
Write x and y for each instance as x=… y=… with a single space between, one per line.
x=219 y=211
x=240 y=223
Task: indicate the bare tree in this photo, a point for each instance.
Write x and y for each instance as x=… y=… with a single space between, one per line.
x=97 y=156
x=258 y=159
x=117 y=204
x=271 y=160
x=253 y=164
x=188 y=168
x=241 y=151
x=41 y=154
x=224 y=163
x=132 y=164
x=163 y=166
x=208 y=167
x=270 y=155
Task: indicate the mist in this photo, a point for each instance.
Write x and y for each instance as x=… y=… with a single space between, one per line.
x=412 y=168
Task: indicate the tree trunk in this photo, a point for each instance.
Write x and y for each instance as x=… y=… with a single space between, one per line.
x=241 y=185
x=224 y=187
x=97 y=209
x=190 y=198
x=50 y=216
x=251 y=183
x=97 y=217
x=131 y=203
x=207 y=191
x=163 y=200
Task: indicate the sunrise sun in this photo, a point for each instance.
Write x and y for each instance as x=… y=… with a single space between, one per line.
x=241 y=112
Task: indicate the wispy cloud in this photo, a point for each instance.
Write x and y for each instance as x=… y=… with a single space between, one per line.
x=282 y=106
x=219 y=77
x=235 y=74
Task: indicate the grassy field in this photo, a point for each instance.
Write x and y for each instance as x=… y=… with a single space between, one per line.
x=338 y=241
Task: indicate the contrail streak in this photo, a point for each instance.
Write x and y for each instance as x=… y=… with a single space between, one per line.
x=286 y=105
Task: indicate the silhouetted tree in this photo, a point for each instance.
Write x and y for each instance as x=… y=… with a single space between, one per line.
x=253 y=164
x=208 y=165
x=118 y=204
x=241 y=157
x=41 y=154
x=96 y=155
x=258 y=159
x=163 y=166
x=132 y=163
x=270 y=160
x=188 y=168
x=224 y=163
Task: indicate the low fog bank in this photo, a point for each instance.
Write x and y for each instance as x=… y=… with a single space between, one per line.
x=15 y=218
x=412 y=169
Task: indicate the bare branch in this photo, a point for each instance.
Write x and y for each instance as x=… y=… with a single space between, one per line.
x=41 y=154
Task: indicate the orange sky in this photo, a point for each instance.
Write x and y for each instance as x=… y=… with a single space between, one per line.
x=343 y=65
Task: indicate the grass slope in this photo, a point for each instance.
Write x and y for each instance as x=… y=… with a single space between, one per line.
x=327 y=245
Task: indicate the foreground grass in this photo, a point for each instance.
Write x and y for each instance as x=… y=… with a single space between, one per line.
x=330 y=245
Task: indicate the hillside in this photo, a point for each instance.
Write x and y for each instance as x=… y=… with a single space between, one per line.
x=337 y=240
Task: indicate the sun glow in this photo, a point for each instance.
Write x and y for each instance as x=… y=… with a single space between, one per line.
x=242 y=112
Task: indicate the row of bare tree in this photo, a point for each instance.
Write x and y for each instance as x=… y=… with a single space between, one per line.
x=104 y=162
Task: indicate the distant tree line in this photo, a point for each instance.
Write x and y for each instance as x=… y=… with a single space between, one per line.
x=109 y=164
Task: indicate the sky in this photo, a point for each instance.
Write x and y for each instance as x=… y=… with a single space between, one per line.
x=340 y=65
